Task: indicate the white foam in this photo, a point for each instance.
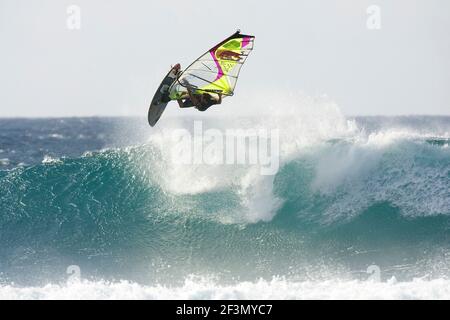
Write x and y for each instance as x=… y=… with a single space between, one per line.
x=386 y=137
x=256 y=192
x=204 y=288
x=49 y=159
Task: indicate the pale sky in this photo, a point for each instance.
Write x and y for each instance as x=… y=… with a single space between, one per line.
x=115 y=62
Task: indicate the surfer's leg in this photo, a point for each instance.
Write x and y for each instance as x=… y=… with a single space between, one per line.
x=165 y=98
x=186 y=104
x=202 y=108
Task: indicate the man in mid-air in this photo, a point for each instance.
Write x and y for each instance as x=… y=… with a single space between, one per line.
x=201 y=101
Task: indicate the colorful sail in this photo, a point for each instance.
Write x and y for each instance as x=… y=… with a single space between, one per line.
x=217 y=70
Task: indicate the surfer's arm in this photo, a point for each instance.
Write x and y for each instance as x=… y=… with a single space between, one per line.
x=192 y=97
x=220 y=99
x=180 y=103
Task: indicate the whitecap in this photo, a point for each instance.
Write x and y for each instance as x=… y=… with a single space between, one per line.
x=203 y=288
x=48 y=159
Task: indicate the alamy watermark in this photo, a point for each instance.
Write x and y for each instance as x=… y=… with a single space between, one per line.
x=74 y=273
x=229 y=147
x=374 y=17
x=374 y=272
x=73 y=21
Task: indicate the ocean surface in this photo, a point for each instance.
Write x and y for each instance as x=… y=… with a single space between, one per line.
x=359 y=207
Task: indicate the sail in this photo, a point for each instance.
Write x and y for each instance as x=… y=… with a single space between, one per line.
x=217 y=70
